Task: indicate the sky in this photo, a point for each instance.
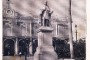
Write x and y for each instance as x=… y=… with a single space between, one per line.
x=60 y=8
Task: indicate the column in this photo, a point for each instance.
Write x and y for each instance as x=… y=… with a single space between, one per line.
x=16 y=47
x=30 y=29
x=26 y=29
x=76 y=32
x=21 y=30
x=11 y=27
x=30 y=48
x=7 y=30
x=30 y=45
x=43 y=22
x=56 y=29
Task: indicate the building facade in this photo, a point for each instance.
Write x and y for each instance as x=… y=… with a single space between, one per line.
x=20 y=32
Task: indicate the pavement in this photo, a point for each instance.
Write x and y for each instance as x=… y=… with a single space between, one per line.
x=16 y=58
x=66 y=59
x=23 y=58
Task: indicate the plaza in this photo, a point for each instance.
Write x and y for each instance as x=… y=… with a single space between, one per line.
x=40 y=37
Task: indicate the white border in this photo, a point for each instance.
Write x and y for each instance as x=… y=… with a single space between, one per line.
x=88 y=30
x=0 y=29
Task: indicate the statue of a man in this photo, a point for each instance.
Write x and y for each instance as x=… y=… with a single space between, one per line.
x=46 y=16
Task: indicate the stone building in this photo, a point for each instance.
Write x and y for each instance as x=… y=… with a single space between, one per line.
x=20 y=32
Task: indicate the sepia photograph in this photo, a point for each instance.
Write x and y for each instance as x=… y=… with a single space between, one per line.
x=44 y=29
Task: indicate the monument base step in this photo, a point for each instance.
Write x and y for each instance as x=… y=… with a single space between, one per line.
x=66 y=59
x=45 y=54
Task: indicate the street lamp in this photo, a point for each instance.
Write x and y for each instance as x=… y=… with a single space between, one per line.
x=70 y=32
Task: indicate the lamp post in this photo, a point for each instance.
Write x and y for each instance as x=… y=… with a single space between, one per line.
x=70 y=32
x=76 y=32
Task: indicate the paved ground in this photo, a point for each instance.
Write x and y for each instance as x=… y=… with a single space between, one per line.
x=23 y=58
x=30 y=58
x=16 y=58
x=66 y=59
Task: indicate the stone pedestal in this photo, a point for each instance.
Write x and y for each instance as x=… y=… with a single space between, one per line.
x=45 y=50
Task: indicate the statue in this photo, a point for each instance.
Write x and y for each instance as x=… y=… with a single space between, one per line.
x=46 y=16
x=45 y=50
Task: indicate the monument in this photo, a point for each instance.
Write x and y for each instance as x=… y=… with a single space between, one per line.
x=45 y=50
